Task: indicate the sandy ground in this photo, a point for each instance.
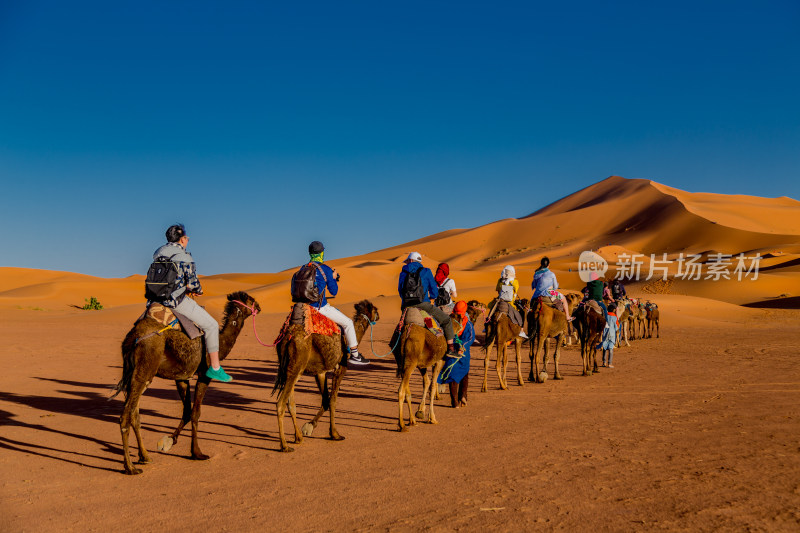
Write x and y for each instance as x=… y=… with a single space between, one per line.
x=696 y=430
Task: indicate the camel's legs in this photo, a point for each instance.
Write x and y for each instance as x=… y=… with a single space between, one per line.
x=556 y=355
x=311 y=425
x=425 y=384
x=436 y=369
x=186 y=400
x=144 y=458
x=298 y=437
x=500 y=365
x=404 y=393
x=127 y=419
x=338 y=376
x=283 y=398
x=486 y=365
x=200 y=389
x=518 y=346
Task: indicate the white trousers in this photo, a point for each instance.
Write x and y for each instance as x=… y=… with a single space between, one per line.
x=200 y=316
x=341 y=320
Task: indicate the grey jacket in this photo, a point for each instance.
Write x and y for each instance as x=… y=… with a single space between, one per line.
x=187 y=281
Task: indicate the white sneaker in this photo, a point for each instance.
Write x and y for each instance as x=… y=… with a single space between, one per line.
x=523 y=335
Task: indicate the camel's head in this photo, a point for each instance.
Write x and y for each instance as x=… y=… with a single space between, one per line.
x=475 y=309
x=250 y=304
x=522 y=304
x=365 y=307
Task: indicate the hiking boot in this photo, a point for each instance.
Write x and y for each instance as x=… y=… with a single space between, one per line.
x=218 y=374
x=358 y=360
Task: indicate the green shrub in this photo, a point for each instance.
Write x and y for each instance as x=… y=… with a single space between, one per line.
x=92 y=303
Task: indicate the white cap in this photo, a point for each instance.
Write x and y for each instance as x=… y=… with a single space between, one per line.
x=414 y=256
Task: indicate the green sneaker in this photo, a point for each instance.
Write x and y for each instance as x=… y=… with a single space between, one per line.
x=218 y=374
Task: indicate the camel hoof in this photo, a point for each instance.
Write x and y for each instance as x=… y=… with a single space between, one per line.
x=419 y=415
x=433 y=421
x=287 y=449
x=307 y=429
x=165 y=444
x=558 y=377
x=133 y=471
x=200 y=457
x=143 y=461
x=337 y=437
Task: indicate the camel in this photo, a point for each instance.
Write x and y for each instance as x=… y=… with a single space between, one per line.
x=573 y=299
x=419 y=348
x=624 y=316
x=652 y=315
x=546 y=322
x=639 y=318
x=500 y=330
x=147 y=352
x=590 y=325
x=316 y=354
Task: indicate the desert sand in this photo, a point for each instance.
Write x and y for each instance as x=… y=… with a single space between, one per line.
x=696 y=430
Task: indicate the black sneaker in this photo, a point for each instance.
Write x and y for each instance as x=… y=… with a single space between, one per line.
x=358 y=360
x=451 y=353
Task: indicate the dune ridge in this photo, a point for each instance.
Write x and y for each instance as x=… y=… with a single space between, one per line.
x=615 y=216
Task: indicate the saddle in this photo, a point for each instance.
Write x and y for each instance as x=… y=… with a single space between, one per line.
x=312 y=320
x=169 y=318
x=548 y=301
x=594 y=306
x=412 y=315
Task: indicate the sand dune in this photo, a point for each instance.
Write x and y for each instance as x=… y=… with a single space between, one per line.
x=615 y=216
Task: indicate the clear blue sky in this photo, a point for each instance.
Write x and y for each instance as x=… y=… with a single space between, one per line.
x=265 y=125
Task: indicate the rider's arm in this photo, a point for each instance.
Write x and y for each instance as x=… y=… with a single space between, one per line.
x=190 y=278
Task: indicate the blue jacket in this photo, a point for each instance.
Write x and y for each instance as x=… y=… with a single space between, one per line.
x=332 y=286
x=543 y=279
x=426 y=277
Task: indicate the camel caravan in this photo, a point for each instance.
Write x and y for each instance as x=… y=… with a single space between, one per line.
x=177 y=339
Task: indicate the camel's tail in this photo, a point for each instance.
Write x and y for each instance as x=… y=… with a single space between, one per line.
x=283 y=366
x=128 y=364
x=399 y=353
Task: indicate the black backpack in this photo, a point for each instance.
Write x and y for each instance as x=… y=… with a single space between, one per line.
x=162 y=280
x=444 y=296
x=304 y=284
x=413 y=288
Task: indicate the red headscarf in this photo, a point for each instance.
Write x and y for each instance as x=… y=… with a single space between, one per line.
x=442 y=271
x=460 y=314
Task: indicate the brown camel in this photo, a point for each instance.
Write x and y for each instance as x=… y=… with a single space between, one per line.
x=652 y=315
x=146 y=353
x=573 y=299
x=590 y=325
x=418 y=348
x=623 y=316
x=545 y=322
x=500 y=330
x=639 y=322
x=299 y=352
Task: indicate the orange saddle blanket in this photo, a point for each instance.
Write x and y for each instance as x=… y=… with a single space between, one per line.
x=312 y=320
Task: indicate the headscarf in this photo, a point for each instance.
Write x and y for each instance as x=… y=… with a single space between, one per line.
x=460 y=314
x=442 y=271
x=508 y=273
x=317 y=257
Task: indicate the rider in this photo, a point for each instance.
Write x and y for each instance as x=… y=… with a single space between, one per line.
x=413 y=266
x=327 y=278
x=187 y=283
x=618 y=290
x=595 y=287
x=545 y=284
x=507 y=288
x=446 y=287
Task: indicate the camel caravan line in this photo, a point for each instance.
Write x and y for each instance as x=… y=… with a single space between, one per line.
x=311 y=343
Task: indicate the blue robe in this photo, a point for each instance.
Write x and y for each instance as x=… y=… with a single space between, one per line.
x=455 y=369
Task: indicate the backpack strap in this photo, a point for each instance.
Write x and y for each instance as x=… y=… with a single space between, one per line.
x=325 y=281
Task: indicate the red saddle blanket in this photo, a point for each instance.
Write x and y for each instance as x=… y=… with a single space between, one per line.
x=312 y=320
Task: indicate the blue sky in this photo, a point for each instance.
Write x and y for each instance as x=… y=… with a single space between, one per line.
x=265 y=125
